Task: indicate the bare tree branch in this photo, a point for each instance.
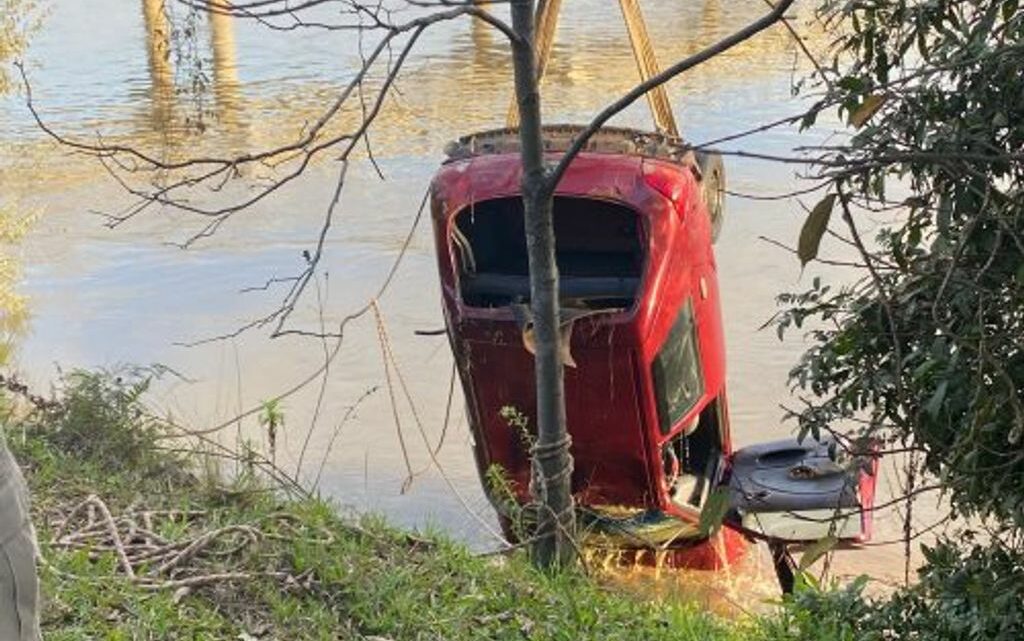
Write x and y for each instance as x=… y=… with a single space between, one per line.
x=671 y=72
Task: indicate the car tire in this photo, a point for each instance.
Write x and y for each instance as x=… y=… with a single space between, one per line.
x=712 y=171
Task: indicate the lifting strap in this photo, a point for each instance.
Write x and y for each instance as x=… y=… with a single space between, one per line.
x=643 y=53
x=647 y=65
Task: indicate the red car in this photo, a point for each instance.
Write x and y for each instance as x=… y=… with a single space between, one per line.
x=635 y=217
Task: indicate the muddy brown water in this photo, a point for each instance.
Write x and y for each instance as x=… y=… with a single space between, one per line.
x=102 y=296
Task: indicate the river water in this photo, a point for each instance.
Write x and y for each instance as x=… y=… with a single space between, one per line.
x=101 y=296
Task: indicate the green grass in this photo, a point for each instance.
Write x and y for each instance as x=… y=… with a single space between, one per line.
x=346 y=581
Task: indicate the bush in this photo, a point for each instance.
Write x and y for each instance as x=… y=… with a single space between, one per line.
x=99 y=418
x=963 y=595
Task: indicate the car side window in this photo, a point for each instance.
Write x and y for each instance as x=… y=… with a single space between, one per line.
x=678 y=379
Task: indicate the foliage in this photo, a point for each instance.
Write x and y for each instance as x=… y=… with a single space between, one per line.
x=925 y=346
x=520 y=519
x=350 y=580
x=923 y=351
x=813 y=614
x=13 y=308
x=963 y=595
x=271 y=417
x=519 y=423
x=714 y=511
x=100 y=418
x=18 y=18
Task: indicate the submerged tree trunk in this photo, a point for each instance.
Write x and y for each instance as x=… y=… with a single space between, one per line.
x=552 y=460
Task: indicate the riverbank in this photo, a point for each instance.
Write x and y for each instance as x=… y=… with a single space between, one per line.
x=141 y=540
x=146 y=537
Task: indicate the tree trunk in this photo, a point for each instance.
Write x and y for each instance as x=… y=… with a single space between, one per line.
x=552 y=460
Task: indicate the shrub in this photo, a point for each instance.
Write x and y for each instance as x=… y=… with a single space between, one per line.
x=98 y=417
x=971 y=594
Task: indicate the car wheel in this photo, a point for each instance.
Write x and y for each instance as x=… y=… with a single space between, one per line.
x=712 y=171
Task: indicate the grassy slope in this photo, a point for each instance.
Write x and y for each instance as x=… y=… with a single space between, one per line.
x=350 y=581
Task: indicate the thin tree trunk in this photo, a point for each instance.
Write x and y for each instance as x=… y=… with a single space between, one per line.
x=554 y=546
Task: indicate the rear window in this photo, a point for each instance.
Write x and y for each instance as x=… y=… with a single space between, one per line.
x=598 y=248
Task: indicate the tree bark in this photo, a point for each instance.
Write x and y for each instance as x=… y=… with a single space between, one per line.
x=551 y=458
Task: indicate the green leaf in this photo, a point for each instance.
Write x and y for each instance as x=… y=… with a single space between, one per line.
x=715 y=509
x=1009 y=9
x=868 y=108
x=944 y=215
x=815 y=551
x=802 y=434
x=814 y=228
x=923 y=369
x=934 y=404
x=809 y=119
x=806 y=584
x=851 y=83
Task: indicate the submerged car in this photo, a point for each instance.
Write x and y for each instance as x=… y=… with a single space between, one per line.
x=635 y=217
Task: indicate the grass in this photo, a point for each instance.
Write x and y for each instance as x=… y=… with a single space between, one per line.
x=313 y=573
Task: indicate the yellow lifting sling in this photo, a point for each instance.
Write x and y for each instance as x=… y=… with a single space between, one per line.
x=643 y=53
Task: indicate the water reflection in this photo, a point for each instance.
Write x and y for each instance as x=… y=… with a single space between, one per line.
x=179 y=90
x=225 y=69
x=467 y=86
x=161 y=73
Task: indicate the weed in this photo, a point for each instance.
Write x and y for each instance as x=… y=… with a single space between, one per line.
x=271 y=417
x=520 y=424
x=100 y=418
